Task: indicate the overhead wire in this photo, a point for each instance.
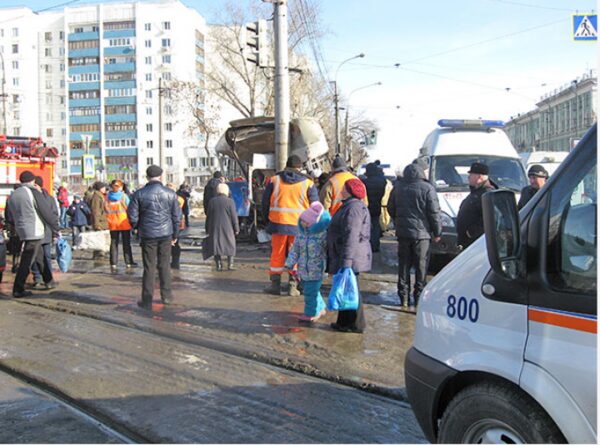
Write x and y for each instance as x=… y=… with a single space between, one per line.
x=530 y=5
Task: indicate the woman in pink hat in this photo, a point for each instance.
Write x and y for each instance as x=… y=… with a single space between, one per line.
x=309 y=252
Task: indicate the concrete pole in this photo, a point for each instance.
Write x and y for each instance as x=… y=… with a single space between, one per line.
x=282 y=84
x=337 y=117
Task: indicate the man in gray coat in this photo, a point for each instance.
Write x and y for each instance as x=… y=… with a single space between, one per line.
x=30 y=217
x=415 y=208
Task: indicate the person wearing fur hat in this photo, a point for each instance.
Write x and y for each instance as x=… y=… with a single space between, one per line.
x=309 y=252
x=348 y=245
x=222 y=226
x=287 y=195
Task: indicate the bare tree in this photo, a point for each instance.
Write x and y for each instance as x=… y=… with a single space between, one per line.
x=190 y=104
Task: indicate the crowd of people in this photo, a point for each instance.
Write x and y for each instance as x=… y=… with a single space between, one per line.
x=319 y=224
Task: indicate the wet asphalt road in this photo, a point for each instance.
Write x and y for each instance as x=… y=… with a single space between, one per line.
x=158 y=390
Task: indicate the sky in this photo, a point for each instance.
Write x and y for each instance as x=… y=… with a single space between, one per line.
x=489 y=59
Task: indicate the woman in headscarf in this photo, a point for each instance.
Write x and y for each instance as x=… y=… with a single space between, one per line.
x=222 y=226
x=348 y=246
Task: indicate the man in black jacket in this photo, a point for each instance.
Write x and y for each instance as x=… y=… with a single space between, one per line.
x=469 y=221
x=415 y=208
x=155 y=212
x=538 y=176
x=375 y=183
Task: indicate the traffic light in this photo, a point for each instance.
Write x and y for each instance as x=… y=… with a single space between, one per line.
x=256 y=40
x=373 y=137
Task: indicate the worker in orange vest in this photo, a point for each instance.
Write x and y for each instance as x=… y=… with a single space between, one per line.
x=331 y=193
x=118 y=224
x=286 y=196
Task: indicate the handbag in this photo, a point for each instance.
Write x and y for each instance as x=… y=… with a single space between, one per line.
x=207 y=248
x=98 y=240
x=344 y=291
x=64 y=255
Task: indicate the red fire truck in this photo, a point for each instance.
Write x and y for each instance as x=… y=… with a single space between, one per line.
x=19 y=153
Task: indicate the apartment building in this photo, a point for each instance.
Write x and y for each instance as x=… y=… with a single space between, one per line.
x=560 y=118
x=101 y=70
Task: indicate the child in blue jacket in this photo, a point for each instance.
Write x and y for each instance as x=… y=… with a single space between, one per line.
x=79 y=212
x=309 y=252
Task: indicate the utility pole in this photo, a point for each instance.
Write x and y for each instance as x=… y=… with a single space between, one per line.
x=160 y=130
x=3 y=94
x=282 y=83
x=337 y=117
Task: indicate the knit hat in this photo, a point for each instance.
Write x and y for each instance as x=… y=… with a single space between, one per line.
x=39 y=181
x=294 y=161
x=223 y=189
x=537 y=170
x=312 y=215
x=26 y=176
x=154 y=171
x=98 y=185
x=217 y=174
x=479 y=168
x=356 y=188
x=338 y=163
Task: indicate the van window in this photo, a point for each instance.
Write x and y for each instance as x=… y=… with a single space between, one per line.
x=450 y=173
x=572 y=232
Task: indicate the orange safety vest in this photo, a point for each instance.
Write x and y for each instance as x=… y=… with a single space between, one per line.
x=116 y=213
x=288 y=201
x=337 y=184
x=181 y=202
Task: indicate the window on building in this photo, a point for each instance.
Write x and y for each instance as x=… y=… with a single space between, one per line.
x=63 y=164
x=15 y=81
x=63 y=132
x=48 y=84
x=62 y=100
x=49 y=132
x=148 y=60
x=193 y=162
x=15 y=64
x=61 y=52
x=149 y=161
x=148 y=111
x=62 y=83
x=149 y=144
x=168 y=143
x=166 y=58
x=17 y=131
x=168 y=110
x=148 y=26
x=168 y=126
x=166 y=76
x=17 y=115
x=169 y=160
x=149 y=94
x=15 y=49
x=169 y=177
x=48 y=52
x=148 y=77
x=166 y=43
x=78 y=30
x=48 y=37
x=166 y=25
x=61 y=35
x=15 y=32
x=62 y=67
x=149 y=128
x=148 y=43
x=16 y=99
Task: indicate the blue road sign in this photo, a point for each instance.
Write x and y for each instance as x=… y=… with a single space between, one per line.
x=585 y=27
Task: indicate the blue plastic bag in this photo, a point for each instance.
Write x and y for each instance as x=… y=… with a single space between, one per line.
x=64 y=255
x=344 y=291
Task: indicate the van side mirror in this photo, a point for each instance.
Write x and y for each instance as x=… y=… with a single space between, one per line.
x=502 y=232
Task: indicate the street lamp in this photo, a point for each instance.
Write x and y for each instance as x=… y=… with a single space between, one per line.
x=335 y=97
x=348 y=148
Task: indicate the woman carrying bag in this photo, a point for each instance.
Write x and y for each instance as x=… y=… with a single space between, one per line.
x=348 y=246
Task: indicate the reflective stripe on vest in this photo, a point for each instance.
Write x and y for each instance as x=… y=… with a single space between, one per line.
x=288 y=201
x=337 y=184
x=116 y=214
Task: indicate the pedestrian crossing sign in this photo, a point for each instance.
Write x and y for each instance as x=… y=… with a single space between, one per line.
x=585 y=27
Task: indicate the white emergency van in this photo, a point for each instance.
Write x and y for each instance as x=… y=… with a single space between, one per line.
x=450 y=150
x=505 y=341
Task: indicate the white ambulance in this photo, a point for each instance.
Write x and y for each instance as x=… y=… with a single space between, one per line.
x=449 y=150
x=505 y=345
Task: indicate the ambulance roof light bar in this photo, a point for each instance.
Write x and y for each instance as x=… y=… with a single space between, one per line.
x=470 y=123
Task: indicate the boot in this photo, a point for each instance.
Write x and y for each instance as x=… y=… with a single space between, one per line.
x=275 y=287
x=293 y=289
x=218 y=263
x=230 y=265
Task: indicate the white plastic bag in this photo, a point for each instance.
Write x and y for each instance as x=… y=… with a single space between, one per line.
x=99 y=240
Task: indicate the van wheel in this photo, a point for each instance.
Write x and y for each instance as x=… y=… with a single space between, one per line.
x=496 y=413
